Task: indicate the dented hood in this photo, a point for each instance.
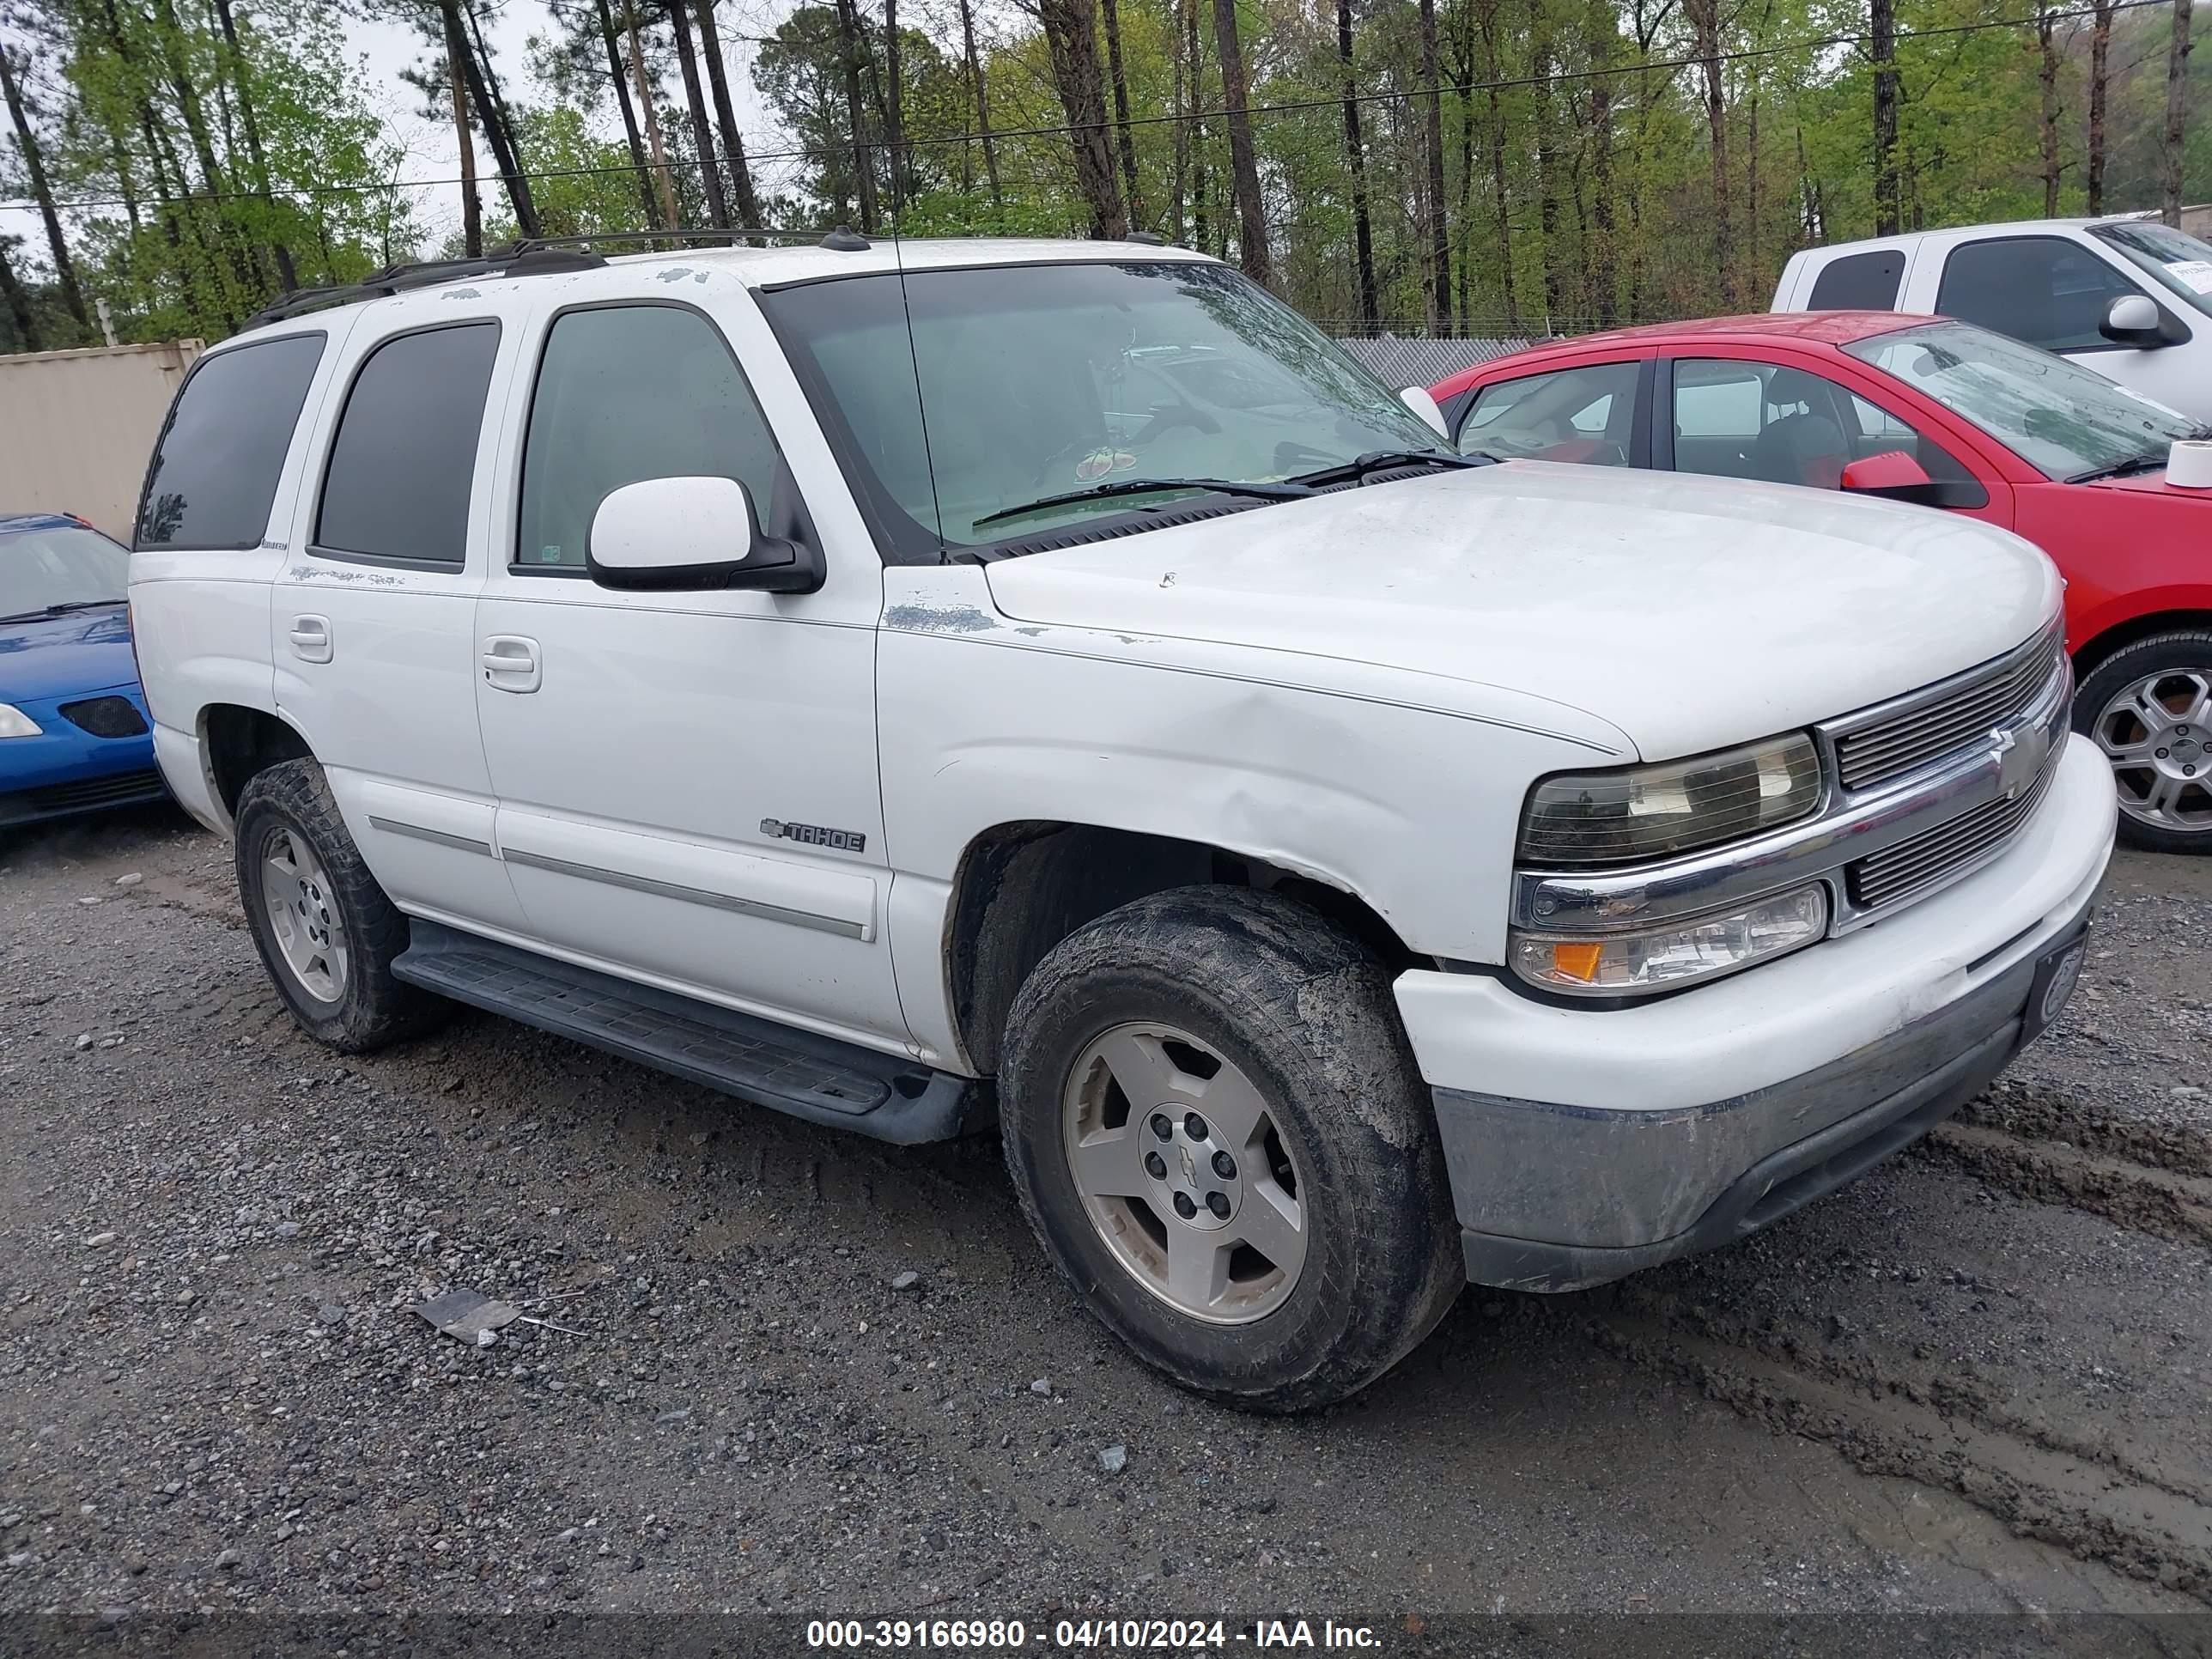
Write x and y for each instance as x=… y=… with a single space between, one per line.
x=1688 y=612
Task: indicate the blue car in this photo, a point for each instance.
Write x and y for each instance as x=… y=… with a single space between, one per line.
x=75 y=735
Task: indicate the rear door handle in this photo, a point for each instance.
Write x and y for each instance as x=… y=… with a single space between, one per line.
x=510 y=663
x=310 y=638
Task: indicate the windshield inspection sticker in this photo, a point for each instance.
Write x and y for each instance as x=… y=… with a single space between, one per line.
x=2194 y=274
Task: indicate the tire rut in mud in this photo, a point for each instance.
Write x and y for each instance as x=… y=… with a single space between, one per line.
x=2097 y=1501
x=2150 y=1176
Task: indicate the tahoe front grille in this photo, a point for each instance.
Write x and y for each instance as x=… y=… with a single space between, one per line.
x=1951 y=716
x=1936 y=856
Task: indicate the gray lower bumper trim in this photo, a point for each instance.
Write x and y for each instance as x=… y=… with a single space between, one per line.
x=1553 y=1197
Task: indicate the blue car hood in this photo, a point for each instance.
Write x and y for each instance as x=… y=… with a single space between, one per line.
x=57 y=656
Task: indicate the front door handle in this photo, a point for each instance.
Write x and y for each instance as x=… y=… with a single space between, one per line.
x=510 y=663
x=310 y=638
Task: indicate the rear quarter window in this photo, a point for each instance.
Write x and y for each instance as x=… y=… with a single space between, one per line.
x=216 y=464
x=403 y=462
x=1859 y=282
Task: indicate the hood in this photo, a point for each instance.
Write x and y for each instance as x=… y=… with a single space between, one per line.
x=61 y=656
x=1690 y=613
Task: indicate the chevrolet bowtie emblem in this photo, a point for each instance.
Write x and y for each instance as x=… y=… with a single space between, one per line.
x=2017 y=764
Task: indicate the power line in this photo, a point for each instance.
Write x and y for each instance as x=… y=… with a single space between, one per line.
x=999 y=135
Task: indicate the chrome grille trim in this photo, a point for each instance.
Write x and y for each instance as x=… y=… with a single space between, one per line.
x=1939 y=817
x=1879 y=746
x=1955 y=848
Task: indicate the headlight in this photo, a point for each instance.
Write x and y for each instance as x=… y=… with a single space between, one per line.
x=14 y=723
x=1581 y=819
x=1620 y=964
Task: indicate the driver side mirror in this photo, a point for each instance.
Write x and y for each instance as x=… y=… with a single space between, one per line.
x=1417 y=399
x=693 y=534
x=1895 y=476
x=2134 y=320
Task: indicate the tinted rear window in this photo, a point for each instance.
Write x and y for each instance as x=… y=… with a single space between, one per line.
x=1859 y=282
x=215 y=469
x=405 y=453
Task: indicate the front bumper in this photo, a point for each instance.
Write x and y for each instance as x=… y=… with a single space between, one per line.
x=66 y=770
x=1586 y=1144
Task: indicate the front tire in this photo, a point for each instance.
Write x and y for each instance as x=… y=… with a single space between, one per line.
x=326 y=931
x=2148 y=708
x=1216 y=1125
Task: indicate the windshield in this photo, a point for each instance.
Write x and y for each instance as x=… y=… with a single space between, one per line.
x=1019 y=382
x=59 y=565
x=2182 y=264
x=2061 y=418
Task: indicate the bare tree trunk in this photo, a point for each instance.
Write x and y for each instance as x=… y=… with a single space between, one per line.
x=1075 y=46
x=2047 y=76
x=726 y=117
x=2101 y=54
x=982 y=104
x=1547 y=194
x=1192 y=44
x=498 y=128
x=1439 y=282
x=285 y=273
x=19 y=305
x=35 y=164
x=1124 y=133
x=662 y=182
x=1355 y=153
x=1244 y=164
x=893 y=116
x=621 y=83
x=241 y=259
x=2176 y=113
x=864 y=163
x=1602 y=282
x=1178 y=107
x=1704 y=18
x=1883 y=28
x=472 y=209
x=702 y=129
x=1485 y=13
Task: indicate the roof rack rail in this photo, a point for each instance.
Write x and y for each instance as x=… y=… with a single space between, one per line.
x=516 y=259
x=529 y=256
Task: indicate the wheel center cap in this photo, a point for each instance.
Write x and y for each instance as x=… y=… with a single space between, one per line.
x=1188 y=1181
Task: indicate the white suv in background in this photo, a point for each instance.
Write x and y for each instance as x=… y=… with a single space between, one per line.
x=2129 y=297
x=1047 y=686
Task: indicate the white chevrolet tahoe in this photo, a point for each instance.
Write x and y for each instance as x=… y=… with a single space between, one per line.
x=1047 y=686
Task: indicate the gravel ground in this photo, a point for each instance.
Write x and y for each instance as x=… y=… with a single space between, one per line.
x=788 y=1370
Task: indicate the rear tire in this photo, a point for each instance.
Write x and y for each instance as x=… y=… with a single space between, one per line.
x=2148 y=708
x=326 y=931
x=1290 y=1236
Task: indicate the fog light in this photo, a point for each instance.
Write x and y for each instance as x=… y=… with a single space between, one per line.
x=1623 y=964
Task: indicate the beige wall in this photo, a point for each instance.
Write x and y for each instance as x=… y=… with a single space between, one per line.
x=76 y=428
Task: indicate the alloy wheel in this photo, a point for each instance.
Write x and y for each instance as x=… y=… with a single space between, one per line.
x=1184 y=1171
x=2157 y=733
x=303 y=915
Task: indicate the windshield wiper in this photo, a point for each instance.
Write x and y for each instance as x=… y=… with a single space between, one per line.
x=1265 y=492
x=2133 y=465
x=1377 y=460
x=61 y=610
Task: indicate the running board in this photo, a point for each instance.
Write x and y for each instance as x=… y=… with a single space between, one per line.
x=819 y=1078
